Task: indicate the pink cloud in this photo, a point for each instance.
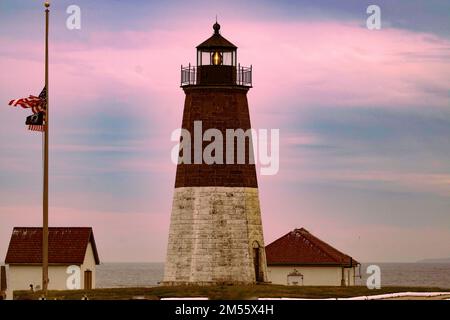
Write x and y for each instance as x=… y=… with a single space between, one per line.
x=374 y=242
x=315 y=63
x=133 y=236
x=309 y=63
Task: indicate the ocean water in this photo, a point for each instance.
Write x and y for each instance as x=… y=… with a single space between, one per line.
x=114 y=275
x=411 y=274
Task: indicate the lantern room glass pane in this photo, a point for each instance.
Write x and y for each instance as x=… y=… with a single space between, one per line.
x=227 y=58
x=206 y=58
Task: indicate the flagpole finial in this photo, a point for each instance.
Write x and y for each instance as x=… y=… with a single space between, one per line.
x=47 y=4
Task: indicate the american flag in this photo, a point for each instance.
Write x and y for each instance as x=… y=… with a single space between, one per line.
x=37 y=104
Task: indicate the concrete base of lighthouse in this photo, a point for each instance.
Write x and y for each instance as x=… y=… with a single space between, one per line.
x=215 y=237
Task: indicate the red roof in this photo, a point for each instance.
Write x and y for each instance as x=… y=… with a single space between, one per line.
x=65 y=245
x=299 y=247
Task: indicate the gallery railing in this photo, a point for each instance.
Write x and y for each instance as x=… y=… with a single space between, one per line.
x=242 y=76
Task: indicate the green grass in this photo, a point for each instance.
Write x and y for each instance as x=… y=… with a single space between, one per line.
x=226 y=292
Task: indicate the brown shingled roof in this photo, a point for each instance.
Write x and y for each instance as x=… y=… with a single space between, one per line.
x=216 y=41
x=67 y=245
x=299 y=247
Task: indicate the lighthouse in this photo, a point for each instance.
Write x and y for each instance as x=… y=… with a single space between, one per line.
x=216 y=233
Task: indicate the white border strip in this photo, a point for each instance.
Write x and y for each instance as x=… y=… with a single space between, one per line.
x=186 y=298
x=374 y=297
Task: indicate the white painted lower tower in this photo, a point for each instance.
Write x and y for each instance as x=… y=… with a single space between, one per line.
x=215 y=237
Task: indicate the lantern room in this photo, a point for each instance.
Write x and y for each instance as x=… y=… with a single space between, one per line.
x=216 y=64
x=216 y=51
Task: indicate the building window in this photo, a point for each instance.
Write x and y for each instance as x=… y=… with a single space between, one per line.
x=295 y=278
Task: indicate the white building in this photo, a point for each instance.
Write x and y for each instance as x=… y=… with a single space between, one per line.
x=299 y=258
x=68 y=246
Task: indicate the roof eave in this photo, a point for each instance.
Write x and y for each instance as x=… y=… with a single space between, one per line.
x=94 y=248
x=231 y=48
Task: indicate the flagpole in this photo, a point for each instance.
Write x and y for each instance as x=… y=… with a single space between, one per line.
x=45 y=195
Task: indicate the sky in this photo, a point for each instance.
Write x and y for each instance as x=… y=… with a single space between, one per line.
x=364 y=119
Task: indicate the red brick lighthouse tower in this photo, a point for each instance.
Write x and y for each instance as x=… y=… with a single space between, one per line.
x=216 y=233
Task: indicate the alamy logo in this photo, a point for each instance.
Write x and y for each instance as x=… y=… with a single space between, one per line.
x=73 y=21
x=73 y=281
x=235 y=142
x=374 y=280
x=373 y=22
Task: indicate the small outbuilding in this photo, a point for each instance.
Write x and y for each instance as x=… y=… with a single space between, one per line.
x=67 y=246
x=300 y=258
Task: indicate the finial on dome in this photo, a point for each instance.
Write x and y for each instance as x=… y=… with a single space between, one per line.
x=216 y=27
